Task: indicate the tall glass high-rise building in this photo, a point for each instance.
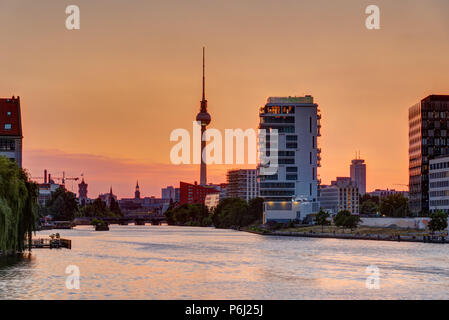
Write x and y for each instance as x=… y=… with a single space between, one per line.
x=358 y=174
x=297 y=121
x=428 y=138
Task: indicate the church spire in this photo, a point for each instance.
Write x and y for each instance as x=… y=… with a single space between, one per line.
x=137 y=192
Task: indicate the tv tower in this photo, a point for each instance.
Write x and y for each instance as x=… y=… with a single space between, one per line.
x=204 y=118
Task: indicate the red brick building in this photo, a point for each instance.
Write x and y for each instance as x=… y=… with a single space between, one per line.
x=11 y=129
x=194 y=193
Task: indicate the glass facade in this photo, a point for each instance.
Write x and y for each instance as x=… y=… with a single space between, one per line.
x=428 y=125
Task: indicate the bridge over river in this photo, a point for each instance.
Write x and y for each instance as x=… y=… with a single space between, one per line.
x=138 y=220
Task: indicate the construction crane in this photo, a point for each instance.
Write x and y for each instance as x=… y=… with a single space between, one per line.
x=63 y=179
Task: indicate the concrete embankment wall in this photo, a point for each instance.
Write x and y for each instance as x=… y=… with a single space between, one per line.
x=82 y=221
x=376 y=237
x=405 y=223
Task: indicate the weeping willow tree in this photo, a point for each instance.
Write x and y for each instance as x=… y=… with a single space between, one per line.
x=18 y=207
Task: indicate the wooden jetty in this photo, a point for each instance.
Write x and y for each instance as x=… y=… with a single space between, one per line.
x=48 y=243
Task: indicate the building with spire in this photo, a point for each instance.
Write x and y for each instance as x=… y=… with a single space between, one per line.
x=82 y=193
x=196 y=193
x=137 y=192
x=203 y=117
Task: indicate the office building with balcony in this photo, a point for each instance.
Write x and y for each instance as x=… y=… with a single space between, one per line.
x=329 y=198
x=297 y=121
x=341 y=194
x=428 y=139
x=242 y=183
x=439 y=184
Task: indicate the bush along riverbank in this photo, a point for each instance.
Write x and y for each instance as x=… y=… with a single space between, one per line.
x=343 y=226
x=18 y=207
x=230 y=213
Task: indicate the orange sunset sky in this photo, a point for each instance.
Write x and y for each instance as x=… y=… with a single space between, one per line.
x=103 y=100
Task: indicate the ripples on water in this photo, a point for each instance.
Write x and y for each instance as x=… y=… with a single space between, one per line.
x=163 y=262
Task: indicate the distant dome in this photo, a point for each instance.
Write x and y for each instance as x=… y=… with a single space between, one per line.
x=203 y=117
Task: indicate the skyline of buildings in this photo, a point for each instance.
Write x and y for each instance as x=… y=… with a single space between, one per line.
x=361 y=171
x=297 y=120
x=162 y=87
x=289 y=116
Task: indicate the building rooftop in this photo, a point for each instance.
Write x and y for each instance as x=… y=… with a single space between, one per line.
x=10 y=118
x=303 y=100
x=436 y=97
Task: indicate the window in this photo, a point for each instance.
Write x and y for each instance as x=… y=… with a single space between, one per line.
x=7 y=145
x=277 y=119
x=266 y=185
x=291 y=177
x=286 y=153
x=286 y=161
x=266 y=177
x=7 y=126
x=292 y=169
x=279 y=109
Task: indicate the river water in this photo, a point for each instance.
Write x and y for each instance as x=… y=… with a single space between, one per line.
x=165 y=262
